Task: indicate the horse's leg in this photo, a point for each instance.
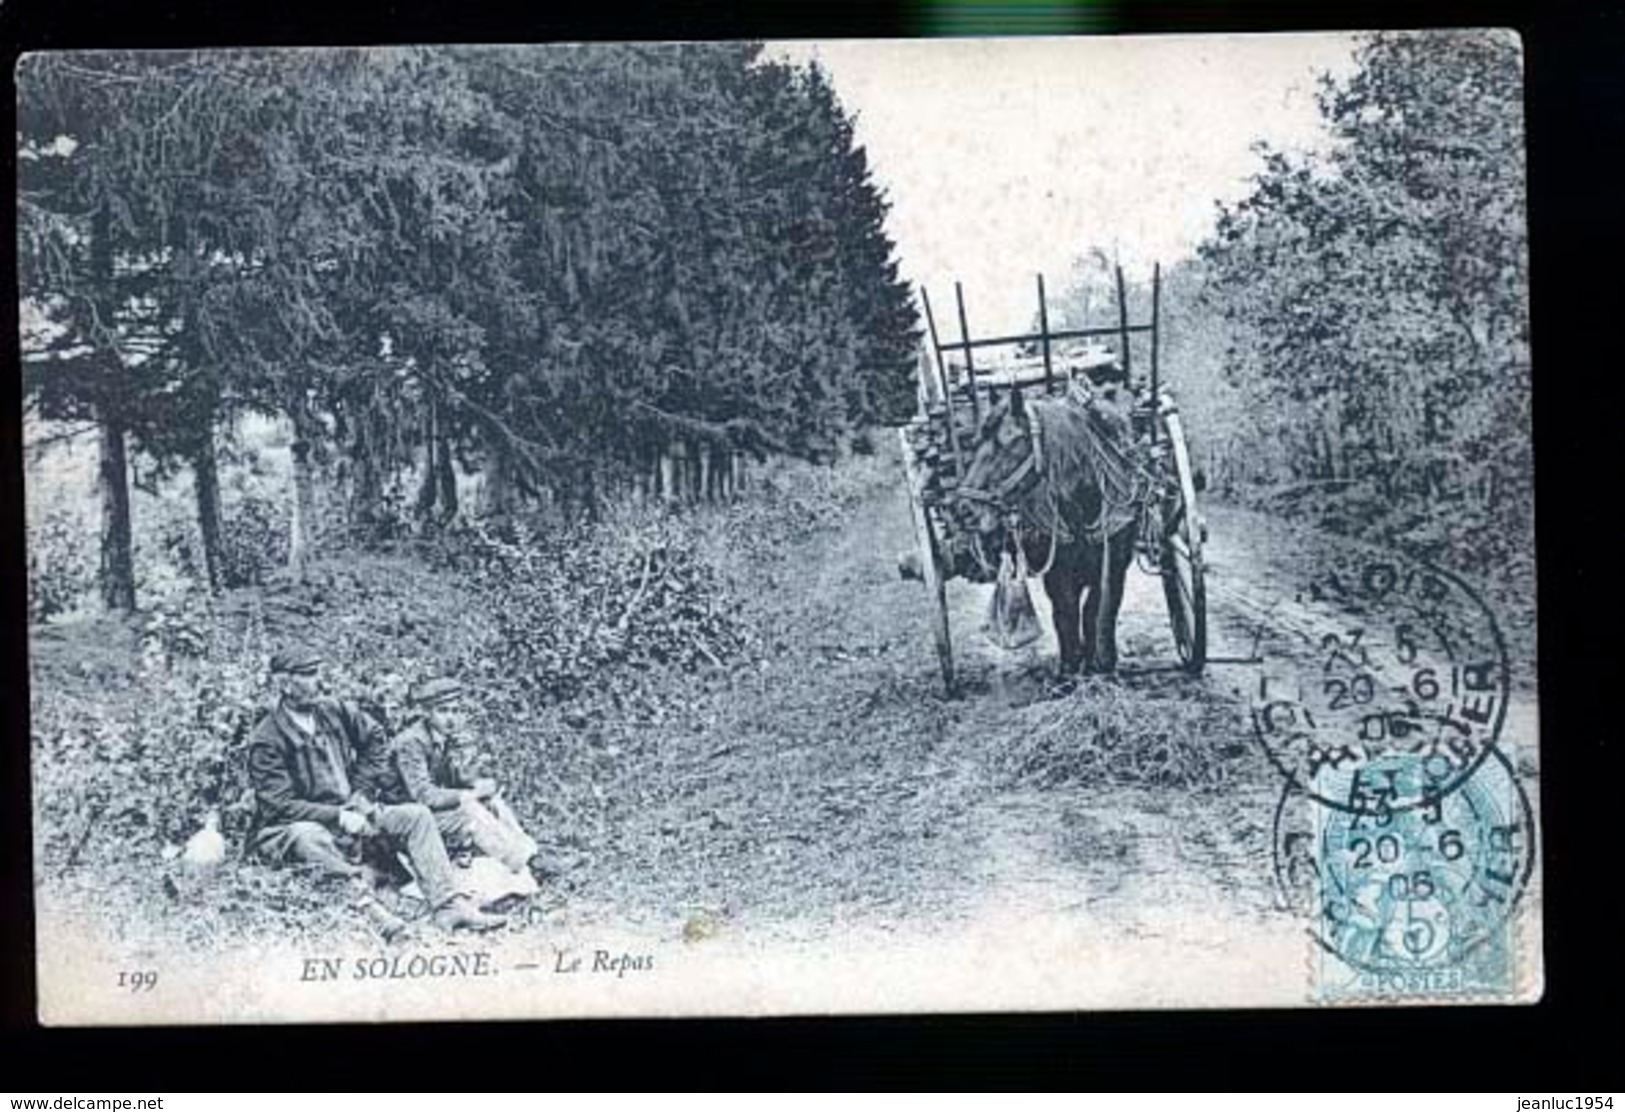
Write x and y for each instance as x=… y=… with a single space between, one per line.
x=1062 y=584
x=1089 y=591
x=1118 y=555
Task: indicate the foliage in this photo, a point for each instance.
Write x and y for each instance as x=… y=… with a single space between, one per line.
x=61 y=569
x=254 y=543
x=706 y=249
x=577 y=605
x=139 y=726
x=1375 y=299
x=547 y=265
x=793 y=501
x=120 y=777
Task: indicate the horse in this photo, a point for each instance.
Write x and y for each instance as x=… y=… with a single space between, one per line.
x=1056 y=477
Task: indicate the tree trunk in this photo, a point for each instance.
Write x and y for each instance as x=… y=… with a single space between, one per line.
x=587 y=494
x=431 y=444
x=117 y=557
x=668 y=472
x=685 y=325
x=366 y=491
x=366 y=484
x=705 y=473
x=640 y=477
x=205 y=460
x=496 y=499
x=206 y=483
x=113 y=474
x=302 y=530
x=445 y=475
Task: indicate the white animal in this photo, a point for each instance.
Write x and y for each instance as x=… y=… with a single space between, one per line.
x=206 y=848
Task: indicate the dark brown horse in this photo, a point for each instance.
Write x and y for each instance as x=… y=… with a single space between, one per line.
x=1058 y=478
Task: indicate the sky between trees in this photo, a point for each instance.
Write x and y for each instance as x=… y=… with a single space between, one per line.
x=1004 y=157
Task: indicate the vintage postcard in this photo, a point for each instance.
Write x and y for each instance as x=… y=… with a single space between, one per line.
x=780 y=528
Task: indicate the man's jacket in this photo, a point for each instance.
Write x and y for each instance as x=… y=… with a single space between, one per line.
x=300 y=777
x=425 y=769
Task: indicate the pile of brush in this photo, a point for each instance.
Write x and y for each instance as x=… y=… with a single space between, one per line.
x=1104 y=734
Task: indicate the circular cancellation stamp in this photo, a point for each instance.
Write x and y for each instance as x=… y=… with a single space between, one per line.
x=1385 y=684
x=1415 y=902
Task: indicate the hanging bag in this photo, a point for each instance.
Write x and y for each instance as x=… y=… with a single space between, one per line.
x=1012 y=622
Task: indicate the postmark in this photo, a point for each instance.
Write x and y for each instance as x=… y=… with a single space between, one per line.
x=1388 y=664
x=1419 y=902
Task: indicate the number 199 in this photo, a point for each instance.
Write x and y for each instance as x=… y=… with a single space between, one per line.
x=138 y=980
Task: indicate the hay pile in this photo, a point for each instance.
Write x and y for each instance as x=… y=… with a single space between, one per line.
x=1105 y=733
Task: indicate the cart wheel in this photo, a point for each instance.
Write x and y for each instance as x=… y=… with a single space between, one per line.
x=1181 y=558
x=931 y=565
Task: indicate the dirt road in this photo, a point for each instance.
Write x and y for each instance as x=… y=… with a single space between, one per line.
x=836 y=788
x=833 y=787
x=822 y=790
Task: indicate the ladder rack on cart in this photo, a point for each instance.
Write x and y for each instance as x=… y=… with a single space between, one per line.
x=938 y=442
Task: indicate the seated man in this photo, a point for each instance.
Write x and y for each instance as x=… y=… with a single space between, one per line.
x=428 y=768
x=308 y=759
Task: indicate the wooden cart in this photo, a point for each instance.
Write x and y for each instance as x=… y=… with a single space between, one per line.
x=937 y=446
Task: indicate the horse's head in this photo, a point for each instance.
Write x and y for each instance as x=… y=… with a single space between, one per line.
x=1004 y=467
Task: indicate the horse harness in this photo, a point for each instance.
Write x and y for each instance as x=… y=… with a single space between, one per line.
x=1131 y=485
x=1022 y=481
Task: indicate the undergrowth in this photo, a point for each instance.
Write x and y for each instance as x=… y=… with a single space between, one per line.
x=580 y=645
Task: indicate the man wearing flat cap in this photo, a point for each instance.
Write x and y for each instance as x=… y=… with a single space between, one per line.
x=428 y=768
x=311 y=760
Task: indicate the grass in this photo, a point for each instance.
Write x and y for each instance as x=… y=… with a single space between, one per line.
x=812 y=776
x=139 y=724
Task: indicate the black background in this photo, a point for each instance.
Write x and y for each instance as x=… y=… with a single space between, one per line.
x=1575 y=59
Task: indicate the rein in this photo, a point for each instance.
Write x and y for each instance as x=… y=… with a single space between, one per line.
x=1027 y=475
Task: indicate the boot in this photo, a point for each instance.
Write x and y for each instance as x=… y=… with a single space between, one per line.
x=388 y=925
x=461 y=912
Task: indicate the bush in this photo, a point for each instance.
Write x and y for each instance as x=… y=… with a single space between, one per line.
x=567 y=635
x=628 y=593
x=790 y=500
x=119 y=775
x=254 y=537
x=168 y=543
x=62 y=551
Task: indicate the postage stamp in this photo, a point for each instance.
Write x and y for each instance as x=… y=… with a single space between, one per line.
x=1415 y=903
x=739 y=528
x=1403 y=832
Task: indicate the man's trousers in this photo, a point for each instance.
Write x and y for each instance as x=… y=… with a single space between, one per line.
x=408 y=828
x=488 y=826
